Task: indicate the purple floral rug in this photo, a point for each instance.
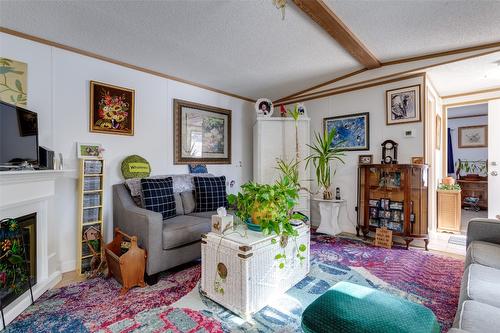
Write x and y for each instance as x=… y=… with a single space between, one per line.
x=174 y=304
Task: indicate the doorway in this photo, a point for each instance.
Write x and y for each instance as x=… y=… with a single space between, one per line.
x=466 y=158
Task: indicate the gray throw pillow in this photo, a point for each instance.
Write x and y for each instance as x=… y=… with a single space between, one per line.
x=188 y=201
x=179 y=207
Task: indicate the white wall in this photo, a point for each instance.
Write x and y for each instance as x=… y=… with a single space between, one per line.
x=470 y=154
x=58 y=83
x=370 y=100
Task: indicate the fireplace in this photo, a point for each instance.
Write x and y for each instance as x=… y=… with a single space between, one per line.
x=18 y=266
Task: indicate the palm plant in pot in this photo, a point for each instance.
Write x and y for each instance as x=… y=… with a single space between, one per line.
x=323 y=152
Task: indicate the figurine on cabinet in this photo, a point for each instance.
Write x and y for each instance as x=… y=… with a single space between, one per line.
x=389 y=152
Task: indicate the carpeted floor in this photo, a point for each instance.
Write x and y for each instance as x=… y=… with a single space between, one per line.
x=175 y=305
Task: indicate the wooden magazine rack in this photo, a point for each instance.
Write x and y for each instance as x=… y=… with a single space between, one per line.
x=128 y=269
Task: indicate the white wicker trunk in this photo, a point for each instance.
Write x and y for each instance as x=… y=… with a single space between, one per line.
x=253 y=276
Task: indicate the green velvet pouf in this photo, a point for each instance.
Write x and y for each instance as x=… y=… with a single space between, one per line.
x=352 y=308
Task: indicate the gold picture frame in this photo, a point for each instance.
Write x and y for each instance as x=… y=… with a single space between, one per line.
x=473 y=136
x=112 y=109
x=202 y=133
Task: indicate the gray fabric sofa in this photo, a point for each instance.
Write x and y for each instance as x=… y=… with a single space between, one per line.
x=168 y=243
x=479 y=303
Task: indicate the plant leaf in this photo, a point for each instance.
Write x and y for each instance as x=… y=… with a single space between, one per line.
x=19 y=86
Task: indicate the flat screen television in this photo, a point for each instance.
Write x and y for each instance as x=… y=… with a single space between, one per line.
x=18 y=136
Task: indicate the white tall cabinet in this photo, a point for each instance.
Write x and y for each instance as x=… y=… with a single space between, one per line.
x=274 y=138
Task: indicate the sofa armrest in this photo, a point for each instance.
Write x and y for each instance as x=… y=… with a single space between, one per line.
x=145 y=224
x=485 y=230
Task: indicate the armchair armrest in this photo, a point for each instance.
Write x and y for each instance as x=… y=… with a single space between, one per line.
x=485 y=230
x=135 y=221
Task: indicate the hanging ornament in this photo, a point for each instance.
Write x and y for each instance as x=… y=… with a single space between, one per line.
x=280 y=4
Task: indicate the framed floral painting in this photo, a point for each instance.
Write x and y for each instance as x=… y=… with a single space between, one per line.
x=111 y=109
x=202 y=134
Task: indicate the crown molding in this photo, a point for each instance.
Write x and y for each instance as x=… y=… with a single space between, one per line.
x=118 y=62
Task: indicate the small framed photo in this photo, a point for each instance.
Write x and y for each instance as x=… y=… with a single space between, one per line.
x=398 y=205
x=365 y=159
x=395 y=215
x=417 y=160
x=88 y=150
x=385 y=204
x=473 y=136
x=374 y=203
x=373 y=212
x=264 y=107
x=302 y=110
x=403 y=105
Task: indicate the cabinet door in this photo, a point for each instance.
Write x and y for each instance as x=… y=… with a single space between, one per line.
x=268 y=146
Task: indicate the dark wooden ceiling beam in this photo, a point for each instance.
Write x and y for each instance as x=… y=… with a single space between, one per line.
x=326 y=18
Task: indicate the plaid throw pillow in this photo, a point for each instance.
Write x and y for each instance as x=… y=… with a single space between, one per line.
x=158 y=196
x=210 y=193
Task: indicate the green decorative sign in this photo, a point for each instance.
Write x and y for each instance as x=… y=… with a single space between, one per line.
x=135 y=166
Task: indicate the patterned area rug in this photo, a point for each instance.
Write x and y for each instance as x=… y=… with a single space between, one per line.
x=96 y=306
x=175 y=305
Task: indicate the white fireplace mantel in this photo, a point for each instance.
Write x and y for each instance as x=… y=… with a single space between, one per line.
x=26 y=192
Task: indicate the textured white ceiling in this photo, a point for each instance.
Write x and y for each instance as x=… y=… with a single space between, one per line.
x=241 y=47
x=468 y=110
x=394 y=29
x=467 y=75
x=244 y=47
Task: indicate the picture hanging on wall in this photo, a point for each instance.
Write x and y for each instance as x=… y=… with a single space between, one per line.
x=403 y=105
x=264 y=107
x=88 y=150
x=111 y=109
x=13 y=82
x=202 y=134
x=473 y=136
x=352 y=131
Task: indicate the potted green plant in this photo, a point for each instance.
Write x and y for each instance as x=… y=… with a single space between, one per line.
x=269 y=208
x=323 y=152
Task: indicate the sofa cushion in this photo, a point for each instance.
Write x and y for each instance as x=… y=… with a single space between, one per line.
x=158 y=196
x=183 y=229
x=477 y=317
x=210 y=193
x=482 y=284
x=179 y=207
x=188 y=201
x=205 y=215
x=484 y=253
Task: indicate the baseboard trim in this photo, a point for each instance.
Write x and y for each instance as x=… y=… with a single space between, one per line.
x=68 y=266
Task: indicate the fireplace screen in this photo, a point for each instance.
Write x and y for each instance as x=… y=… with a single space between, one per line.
x=17 y=258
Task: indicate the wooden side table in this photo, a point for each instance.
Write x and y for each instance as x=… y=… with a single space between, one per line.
x=449 y=210
x=329 y=211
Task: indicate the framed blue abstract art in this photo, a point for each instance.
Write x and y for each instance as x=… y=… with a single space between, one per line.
x=352 y=131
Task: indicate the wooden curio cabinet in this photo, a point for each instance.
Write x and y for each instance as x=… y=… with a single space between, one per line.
x=394 y=196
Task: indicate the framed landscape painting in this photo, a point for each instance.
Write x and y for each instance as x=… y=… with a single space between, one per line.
x=473 y=136
x=352 y=131
x=403 y=105
x=111 y=109
x=202 y=134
